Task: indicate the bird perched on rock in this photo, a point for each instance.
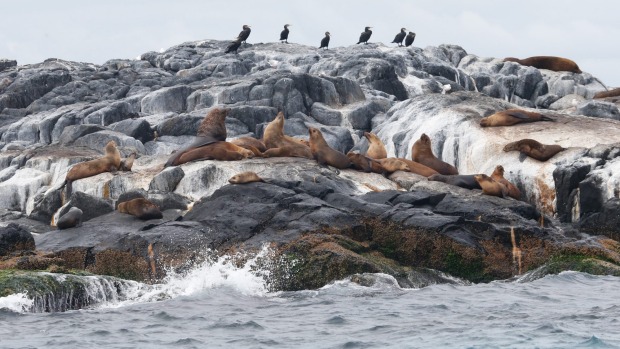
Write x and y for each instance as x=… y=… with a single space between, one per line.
x=409 y=39
x=365 y=35
x=325 y=41
x=398 y=39
x=245 y=33
x=284 y=33
x=234 y=46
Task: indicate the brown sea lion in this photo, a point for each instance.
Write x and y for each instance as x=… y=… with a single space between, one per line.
x=363 y=163
x=422 y=152
x=511 y=189
x=245 y=177
x=141 y=208
x=212 y=129
x=325 y=155
x=547 y=62
x=110 y=162
x=418 y=168
x=376 y=149
x=463 y=181
x=73 y=218
x=534 y=149
x=288 y=151
x=273 y=137
x=250 y=141
x=611 y=93
x=127 y=163
x=223 y=151
x=490 y=186
x=393 y=164
x=512 y=117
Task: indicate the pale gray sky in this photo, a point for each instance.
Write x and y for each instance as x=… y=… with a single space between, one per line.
x=95 y=31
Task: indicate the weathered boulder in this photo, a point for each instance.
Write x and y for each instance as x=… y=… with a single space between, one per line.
x=13 y=238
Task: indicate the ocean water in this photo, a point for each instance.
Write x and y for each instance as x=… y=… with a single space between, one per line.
x=218 y=305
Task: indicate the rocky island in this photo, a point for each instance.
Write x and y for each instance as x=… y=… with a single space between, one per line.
x=319 y=223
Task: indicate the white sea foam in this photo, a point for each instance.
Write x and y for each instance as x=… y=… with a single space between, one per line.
x=18 y=302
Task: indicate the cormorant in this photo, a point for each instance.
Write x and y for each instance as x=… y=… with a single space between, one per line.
x=409 y=39
x=398 y=39
x=234 y=46
x=325 y=41
x=284 y=33
x=245 y=33
x=365 y=35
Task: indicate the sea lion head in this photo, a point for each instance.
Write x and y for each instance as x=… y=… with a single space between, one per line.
x=425 y=139
x=245 y=177
x=499 y=170
x=218 y=114
x=482 y=178
x=370 y=136
x=511 y=146
x=314 y=133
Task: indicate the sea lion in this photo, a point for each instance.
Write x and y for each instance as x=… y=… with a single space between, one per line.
x=325 y=155
x=73 y=218
x=288 y=151
x=223 y=151
x=421 y=152
x=611 y=93
x=127 y=163
x=141 y=208
x=511 y=189
x=393 y=164
x=212 y=129
x=463 y=181
x=250 y=141
x=245 y=177
x=273 y=137
x=364 y=163
x=547 y=62
x=110 y=162
x=490 y=186
x=376 y=149
x=418 y=168
x=534 y=149
x=511 y=117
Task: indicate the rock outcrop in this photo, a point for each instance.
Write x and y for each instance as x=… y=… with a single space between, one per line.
x=327 y=224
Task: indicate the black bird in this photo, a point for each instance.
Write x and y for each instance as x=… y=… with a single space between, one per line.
x=365 y=35
x=325 y=41
x=234 y=46
x=409 y=39
x=284 y=33
x=398 y=39
x=245 y=33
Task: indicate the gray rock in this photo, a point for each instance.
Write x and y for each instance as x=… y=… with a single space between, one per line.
x=325 y=115
x=71 y=133
x=599 y=109
x=169 y=99
x=115 y=112
x=91 y=206
x=14 y=238
x=139 y=129
x=167 y=180
x=98 y=140
x=566 y=102
x=182 y=125
x=46 y=204
x=5 y=64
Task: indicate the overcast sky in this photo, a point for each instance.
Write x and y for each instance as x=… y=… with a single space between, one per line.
x=587 y=32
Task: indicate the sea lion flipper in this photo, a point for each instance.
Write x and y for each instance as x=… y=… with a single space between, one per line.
x=517 y=114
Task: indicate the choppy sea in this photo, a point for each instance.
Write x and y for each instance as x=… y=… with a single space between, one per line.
x=218 y=305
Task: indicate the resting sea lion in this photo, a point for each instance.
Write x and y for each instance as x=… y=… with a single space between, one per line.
x=288 y=151
x=325 y=155
x=512 y=117
x=463 y=181
x=110 y=162
x=547 y=62
x=511 y=189
x=73 y=218
x=534 y=149
x=245 y=177
x=223 y=151
x=212 y=129
x=418 y=168
x=393 y=164
x=249 y=141
x=490 y=186
x=421 y=152
x=376 y=149
x=141 y=208
x=364 y=163
x=604 y=94
x=273 y=137
x=127 y=163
